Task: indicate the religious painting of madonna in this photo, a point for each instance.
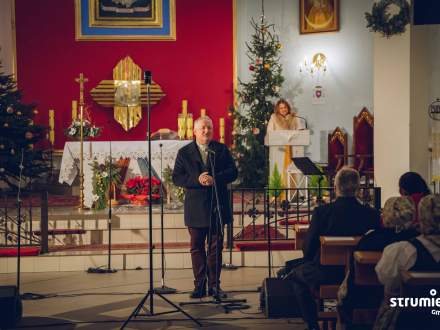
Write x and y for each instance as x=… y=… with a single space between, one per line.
x=319 y=16
x=125 y=20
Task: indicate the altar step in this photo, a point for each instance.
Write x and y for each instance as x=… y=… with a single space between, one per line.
x=136 y=258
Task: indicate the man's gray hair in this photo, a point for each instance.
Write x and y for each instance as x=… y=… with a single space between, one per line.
x=347 y=182
x=201 y=120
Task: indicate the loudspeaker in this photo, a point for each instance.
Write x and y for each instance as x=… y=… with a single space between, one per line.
x=426 y=12
x=278 y=299
x=11 y=308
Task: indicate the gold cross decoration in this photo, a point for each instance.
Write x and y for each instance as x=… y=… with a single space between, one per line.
x=81 y=80
x=126 y=93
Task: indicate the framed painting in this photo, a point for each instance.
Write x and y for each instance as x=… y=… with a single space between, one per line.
x=125 y=20
x=318 y=16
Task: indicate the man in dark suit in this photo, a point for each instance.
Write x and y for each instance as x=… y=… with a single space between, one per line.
x=196 y=166
x=344 y=217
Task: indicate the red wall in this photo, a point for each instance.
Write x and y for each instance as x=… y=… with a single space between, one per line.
x=197 y=66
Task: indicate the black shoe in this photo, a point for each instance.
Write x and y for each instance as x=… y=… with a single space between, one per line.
x=198 y=292
x=219 y=294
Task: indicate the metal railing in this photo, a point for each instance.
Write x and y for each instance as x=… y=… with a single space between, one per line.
x=259 y=213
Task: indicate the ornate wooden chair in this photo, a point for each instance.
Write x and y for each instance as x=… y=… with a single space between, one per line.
x=337 y=152
x=363 y=151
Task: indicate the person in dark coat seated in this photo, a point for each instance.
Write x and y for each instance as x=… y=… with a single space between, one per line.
x=193 y=171
x=397 y=220
x=346 y=216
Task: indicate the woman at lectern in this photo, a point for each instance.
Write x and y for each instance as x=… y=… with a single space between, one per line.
x=283 y=118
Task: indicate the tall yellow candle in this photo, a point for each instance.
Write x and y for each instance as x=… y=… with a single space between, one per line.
x=184 y=107
x=189 y=126
x=74 y=109
x=222 y=130
x=202 y=112
x=51 y=126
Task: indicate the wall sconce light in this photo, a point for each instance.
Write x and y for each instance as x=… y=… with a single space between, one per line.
x=317 y=65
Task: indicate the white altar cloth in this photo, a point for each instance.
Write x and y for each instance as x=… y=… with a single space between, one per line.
x=100 y=151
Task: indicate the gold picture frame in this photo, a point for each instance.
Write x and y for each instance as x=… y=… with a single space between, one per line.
x=318 y=16
x=125 y=20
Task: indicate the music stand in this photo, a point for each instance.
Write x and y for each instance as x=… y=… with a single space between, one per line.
x=307 y=167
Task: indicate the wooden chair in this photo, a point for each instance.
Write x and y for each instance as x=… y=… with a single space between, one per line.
x=337 y=144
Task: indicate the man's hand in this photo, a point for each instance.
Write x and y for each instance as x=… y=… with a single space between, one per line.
x=205 y=179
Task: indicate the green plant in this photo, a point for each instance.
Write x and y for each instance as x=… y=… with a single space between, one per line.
x=101 y=182
x=275 y=182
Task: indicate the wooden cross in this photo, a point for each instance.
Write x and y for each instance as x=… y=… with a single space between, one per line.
x=81 y=80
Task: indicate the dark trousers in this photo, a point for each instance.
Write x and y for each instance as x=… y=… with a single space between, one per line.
x=304 y=276
x=206 y=262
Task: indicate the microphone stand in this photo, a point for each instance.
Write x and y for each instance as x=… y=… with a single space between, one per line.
x=229 y=304
x=163 y=289
x=21 y=167
x=151 y=291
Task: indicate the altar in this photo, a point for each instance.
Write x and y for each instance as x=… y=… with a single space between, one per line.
x=163 y=152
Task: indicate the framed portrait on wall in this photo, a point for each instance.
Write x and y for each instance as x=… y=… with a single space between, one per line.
x=318 y=16
x=125 y=20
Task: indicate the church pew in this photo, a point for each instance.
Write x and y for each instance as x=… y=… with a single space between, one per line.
x=419 y=283
x=334 y=251
x=300 y=234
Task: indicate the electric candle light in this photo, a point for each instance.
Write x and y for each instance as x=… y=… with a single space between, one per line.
x=51 y=126
x=202 y=112
x=189 y=126
x=74 y=109
x=222 y=130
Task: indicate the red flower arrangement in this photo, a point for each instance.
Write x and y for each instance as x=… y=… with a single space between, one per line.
x=137 y=189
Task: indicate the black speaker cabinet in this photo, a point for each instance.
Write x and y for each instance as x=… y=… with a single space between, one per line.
x=277 y=299
x=11 y=308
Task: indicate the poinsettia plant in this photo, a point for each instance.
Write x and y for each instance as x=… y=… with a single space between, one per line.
x=139 y=186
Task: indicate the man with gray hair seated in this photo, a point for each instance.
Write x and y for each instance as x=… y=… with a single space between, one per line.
x=346 y=216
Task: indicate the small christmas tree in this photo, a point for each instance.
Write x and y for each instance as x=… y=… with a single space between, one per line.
x=256 y=99
x=18 y=136
x=275 y=182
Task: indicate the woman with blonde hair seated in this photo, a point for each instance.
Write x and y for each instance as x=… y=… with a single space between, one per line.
x=421 y=253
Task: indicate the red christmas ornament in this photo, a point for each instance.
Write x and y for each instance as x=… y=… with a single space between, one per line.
x=251 y=68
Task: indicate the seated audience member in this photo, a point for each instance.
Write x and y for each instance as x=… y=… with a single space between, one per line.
x=421 y=253
x=411 y=184
x=343 y=217
x=397 y=216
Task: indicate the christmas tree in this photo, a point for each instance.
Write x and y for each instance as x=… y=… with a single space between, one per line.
x=18 y=136
x=256 y=104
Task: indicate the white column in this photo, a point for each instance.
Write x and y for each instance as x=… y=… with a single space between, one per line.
x=7 y=37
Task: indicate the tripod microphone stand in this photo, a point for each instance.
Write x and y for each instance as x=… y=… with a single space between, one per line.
x=229 y=304
x=162 y=289
x=151 y=291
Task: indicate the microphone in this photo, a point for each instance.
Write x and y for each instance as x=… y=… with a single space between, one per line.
x=210 y=151
x=147 y=77
x=305 y=121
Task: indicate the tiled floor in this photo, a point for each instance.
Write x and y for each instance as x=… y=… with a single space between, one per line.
x=104 y=301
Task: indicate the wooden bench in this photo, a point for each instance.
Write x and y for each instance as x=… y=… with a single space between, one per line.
x=364 y=264
x=334 y=251
x=365 y=275
x=419 y=283
x=300 y=235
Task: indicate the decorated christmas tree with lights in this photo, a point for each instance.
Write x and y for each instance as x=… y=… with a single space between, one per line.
x=18 y=136
x=256 y=104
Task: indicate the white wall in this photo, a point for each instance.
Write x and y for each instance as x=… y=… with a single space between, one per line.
x=7 y=37
x=349 y=80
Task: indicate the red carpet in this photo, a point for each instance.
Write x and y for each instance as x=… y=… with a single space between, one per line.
x=24 y=251
x=258 y=232
x=263 y=245
x=293 y=222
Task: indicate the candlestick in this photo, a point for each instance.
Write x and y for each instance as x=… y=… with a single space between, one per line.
x=184 y=107
x=74 y=109
x=181 y=126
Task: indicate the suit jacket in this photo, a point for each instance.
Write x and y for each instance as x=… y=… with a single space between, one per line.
x=200 y=200
x=344 y=217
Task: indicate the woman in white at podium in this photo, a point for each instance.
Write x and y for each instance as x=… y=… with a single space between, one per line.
x=283 y=118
